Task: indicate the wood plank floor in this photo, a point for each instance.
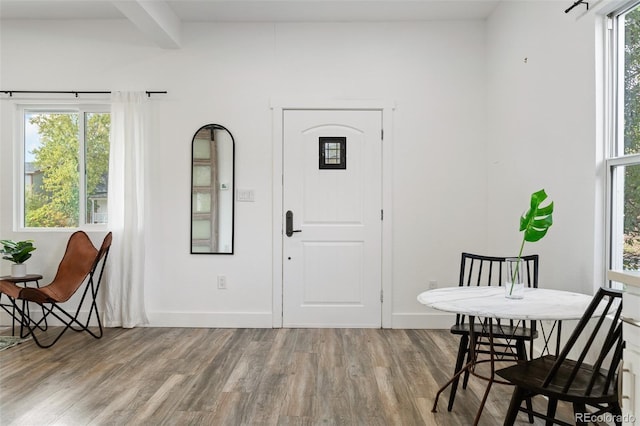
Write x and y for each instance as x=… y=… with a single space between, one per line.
x=180 y=376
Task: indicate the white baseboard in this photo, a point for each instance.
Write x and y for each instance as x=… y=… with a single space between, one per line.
x=426 y=320
x=187 y=319
x=6 y=320
x=265 y=320
x=211 y=319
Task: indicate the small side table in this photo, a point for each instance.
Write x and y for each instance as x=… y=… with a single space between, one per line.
x=29 y=278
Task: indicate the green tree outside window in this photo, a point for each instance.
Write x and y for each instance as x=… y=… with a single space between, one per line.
x=52 y=199
x=631 y=251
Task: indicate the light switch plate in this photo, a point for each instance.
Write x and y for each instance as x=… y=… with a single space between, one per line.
x=245 y=195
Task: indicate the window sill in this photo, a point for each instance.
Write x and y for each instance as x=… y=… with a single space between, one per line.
x=631 y=278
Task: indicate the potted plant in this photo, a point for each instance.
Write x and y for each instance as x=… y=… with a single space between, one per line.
x=18 y=252
x=535 y=223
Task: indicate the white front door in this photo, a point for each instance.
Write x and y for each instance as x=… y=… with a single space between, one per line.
x=332 y=272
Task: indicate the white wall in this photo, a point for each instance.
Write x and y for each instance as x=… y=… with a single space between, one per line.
x=466 y=108
x=542 y=134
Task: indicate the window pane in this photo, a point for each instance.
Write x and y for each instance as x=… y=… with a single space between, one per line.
x=51 y=169
x=96 y=165
x=631 y=54
x=332 y=153
x=626 y=225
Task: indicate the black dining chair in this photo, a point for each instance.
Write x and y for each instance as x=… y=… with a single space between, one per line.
x=509 y=337
x=598 y=339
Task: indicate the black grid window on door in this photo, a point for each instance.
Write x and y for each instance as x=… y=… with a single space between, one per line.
x=333 y=152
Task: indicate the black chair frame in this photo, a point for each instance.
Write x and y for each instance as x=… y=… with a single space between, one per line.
x=560 y=378
x=480 y=270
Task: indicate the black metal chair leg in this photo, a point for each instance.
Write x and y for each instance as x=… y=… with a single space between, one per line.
x=617 y=413
x=521 y=350
x=462 y=349
x=551 y=411
x=465 y=380
x=522 y=356
x=579 y=410
x=514 y=406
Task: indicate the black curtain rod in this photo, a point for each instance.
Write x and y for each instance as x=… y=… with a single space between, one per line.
x=578 y=2
x=74 y=92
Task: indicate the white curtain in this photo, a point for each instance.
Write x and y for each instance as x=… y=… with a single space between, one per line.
x=124 y=294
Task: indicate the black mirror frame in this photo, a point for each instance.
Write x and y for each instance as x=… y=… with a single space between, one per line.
x=213 y=126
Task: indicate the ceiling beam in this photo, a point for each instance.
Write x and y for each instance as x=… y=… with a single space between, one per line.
x=155 y=19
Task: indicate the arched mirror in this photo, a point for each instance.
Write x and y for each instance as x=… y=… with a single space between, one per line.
x=212 y=188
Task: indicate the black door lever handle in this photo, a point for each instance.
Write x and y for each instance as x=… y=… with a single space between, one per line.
x=289 y=224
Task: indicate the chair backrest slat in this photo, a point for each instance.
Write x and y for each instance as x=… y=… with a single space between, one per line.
x=607 y=344
x=480 y=265
x=587 y=347
x=614 y=338
x=607 y=303
x=480 y=270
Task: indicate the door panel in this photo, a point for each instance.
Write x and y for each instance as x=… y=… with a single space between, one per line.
x=332 y=268
x=329 y=273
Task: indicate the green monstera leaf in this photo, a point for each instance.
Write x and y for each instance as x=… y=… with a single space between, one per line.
x=535 y=223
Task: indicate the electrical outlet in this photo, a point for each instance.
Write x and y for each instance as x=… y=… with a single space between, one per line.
x=433 y=284
x=222 y=282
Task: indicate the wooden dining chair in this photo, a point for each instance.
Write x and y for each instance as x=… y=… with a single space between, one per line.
x=597 y=339
x=81 y=264
x=509 y=337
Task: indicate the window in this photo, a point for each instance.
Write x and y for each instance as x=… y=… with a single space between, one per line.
x=623 y=162
x=333 y=152
x=66 y=165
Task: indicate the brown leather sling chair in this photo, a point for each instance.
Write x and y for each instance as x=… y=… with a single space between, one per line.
x=81 y=263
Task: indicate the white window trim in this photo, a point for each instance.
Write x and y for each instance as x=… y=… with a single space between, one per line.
x=614 y=154
x=19 y=160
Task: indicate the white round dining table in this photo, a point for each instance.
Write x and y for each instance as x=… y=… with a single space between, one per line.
x=490 y=302
x=538 y=304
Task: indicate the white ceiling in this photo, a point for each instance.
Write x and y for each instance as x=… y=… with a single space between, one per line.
x=259 y=10
x=161 y=20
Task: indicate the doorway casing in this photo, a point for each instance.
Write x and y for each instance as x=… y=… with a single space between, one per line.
x=278 y=108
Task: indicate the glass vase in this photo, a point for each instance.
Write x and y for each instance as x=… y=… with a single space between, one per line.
x=513 y=278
